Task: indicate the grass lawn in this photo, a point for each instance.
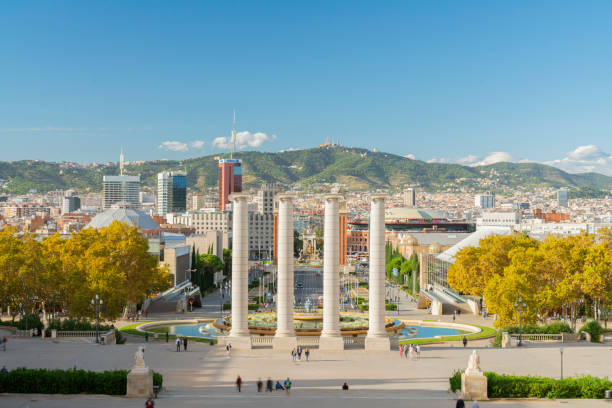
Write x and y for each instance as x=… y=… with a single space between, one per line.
x=486 y=333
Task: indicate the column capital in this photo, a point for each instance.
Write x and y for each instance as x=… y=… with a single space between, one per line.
x=378 y=197
x=235 y=197
x=333 y=196
x=285 y=197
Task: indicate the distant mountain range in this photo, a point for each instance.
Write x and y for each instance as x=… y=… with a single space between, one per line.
x=359 y=169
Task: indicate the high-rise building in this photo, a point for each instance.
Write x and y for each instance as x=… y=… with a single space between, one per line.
x=410 y=197
x=230 y=180
x=171 y=192
x=486 y=200
x=70 y=204
x=562 y=197
x=121 y=189
x=198 y=202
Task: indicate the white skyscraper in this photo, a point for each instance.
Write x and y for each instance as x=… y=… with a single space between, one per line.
x=410 y=197
x=486 y=200
x=562 y=197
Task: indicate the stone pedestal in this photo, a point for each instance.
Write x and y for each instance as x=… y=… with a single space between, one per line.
x=377 y=343
x=473 y=381
x=331 y=343
x=140 y=383
x=474 y=385
x=284 y=343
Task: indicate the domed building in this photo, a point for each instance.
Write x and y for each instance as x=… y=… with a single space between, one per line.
x=125 y=213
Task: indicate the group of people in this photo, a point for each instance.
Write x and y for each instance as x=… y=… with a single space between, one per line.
x=296 y=353
x=270 y=386
x=178 y=344
x=411 y=351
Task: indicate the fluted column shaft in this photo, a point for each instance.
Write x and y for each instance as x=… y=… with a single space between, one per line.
x=331 y=269
x=240 y=266
x=377 y=267
x=284 y=305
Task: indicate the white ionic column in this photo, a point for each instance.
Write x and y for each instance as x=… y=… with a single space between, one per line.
x=331 y=339
x=285 y=339
x=239 y=336
x=377 y=338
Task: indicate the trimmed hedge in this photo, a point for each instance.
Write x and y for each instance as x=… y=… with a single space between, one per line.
x=552 y=328
x=511 y=386
x=594 y=329
x=44 y=381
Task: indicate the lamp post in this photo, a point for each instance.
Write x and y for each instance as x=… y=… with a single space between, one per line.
x=561 y=351
x=97 y=303
x=521 y=308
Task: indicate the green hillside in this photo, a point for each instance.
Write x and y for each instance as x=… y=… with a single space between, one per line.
x=359 y=169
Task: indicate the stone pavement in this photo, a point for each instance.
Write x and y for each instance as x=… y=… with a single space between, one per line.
x=204 y=376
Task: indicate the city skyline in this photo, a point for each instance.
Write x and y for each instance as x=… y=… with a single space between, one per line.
x=487 y=82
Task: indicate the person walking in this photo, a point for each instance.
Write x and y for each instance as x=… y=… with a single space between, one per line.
x=401 y=350
x=345 y=386
x=149 y=403
x=418 y=352
x=299 y=353
x=146 y=336
x=307 y=353
x=464 y=341
x=185 y=343
x=228 y=350
x=167 y=337
x=269 y=385
x=460 y=403
x=178 y=344
x=293 y=354
x=287 y=386
x=259 y=385
x=239 y=384
x=475 y=404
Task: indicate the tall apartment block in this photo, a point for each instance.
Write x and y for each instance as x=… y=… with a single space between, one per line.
x=121 y=189
x=562 y=197
x=486 y=200
x=171 y=192
x=410 y=197
x=230 y=180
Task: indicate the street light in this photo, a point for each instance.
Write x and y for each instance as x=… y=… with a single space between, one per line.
x=561 y=351
x=521 y=308
x=97 y=304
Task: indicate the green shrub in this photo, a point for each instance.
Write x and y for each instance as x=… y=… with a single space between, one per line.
x=119 y=338
x=390 y=306
x=455 y=380
x=227 y=306
x=553 y=328
x=594 y=329
x=363 y=307
x=253 y=306
x=498 y=339
x=158 y=379
x=510 y=386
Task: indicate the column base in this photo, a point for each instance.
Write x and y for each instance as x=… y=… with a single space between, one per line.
x=239 y=342
x=382 y=343
x=331 y=343
x=284 y=343
x=140 y=383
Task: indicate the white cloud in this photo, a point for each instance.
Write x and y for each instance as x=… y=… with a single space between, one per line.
x=291 y=149
x=584 y=159
x=197 y=144
x=494 y=157
x=469 y=159
x=174 y=146
x=243 y=140
x=410 y=156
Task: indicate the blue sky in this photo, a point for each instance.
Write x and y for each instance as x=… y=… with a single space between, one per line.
x=450 y=81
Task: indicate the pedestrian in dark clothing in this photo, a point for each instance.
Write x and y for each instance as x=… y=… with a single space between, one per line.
x=149 y=403
x=167 y=337
x=307 y=353
x=178 y=344
x=464 y=341
x=146 y=336
x=278 y=386
x=259 y=385
x=185 y=343
x=460 y=403
x=269 y=385
x=239 y=383
x=4 y=370
x=345 y=386
x=299 y=352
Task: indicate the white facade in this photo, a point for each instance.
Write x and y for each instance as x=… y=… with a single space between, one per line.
x=499 y=219
x=410 y=197
x=164 y=193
